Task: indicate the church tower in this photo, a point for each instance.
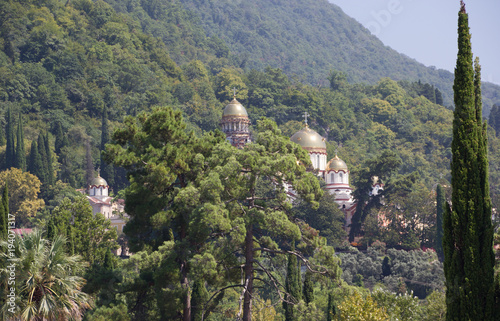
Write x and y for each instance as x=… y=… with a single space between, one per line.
x=98 y=188
x=314 y=143
x=236 y=124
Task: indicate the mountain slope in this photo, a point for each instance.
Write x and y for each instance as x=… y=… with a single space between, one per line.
x=309 y=38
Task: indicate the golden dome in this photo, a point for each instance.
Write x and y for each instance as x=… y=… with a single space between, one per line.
x=235 y=108
x=98 y=181
x=309 y=139
x=336 y=164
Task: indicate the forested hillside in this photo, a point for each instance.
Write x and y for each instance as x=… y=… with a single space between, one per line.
x=309 y=38
x=66 y=67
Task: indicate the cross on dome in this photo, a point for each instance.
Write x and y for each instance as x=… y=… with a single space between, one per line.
x=305 y=117
x=234 y=92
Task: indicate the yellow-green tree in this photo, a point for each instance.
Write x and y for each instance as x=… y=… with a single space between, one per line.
x=359 y=308
x=23 y=194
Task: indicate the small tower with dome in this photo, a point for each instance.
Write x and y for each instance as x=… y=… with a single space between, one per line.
x=98 y=187
x=236 y=124
x=336 y=177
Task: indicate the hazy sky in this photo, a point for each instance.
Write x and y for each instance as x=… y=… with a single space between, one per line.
x=427 y=29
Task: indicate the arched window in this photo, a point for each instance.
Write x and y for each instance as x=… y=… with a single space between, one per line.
x=341 y=177
x=332 y=176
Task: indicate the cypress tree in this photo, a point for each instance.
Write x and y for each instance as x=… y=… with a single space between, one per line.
x=440 y=204
x=308 y=289
x=70 y=235
x=292 y=286
x=51 y=230
x=20 y=160
x=48 y=153
x=199 y=298
x=5 y=199
x=35 y=163
x=5 y=206
x=107 y=170
x=331 y=309
x=42 y=151
x=59 y=141
x=3 y=223
x=2 y=137
x=10 y=154
x=468 y=231
x=386 y=266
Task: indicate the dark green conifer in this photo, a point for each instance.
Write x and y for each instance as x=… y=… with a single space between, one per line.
x=198 y=300
x=292 y=286
x=386 y=266
x=20 y=160
x=48 y=153
x=440 y=203
x=42 y=151
x=35 y=165
x=3 y=223
x=70 y=235
x=51 y=230
x=10 y=153
x=5 y=206
x=5 y=199
x=332 y=309
x=2 y=137
x=308 y=289
x=468 y=231
x=59 y=140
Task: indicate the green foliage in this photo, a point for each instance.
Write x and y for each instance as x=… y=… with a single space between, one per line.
x=328 y=219
x=360 y=308
x=10 y=154
x=92 y=234
x=198 y=300
x=3 y=222
x=468 y=231
x=292 y=287
x=108 y=313
x=440 y=204
x=421 y=271
x=308 y=289
x=20 y=155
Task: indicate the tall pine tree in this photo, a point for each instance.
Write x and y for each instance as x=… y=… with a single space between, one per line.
x=48 y=154
x=440 y=203
x=20 y=157
x=468 y=232
x=10 y=153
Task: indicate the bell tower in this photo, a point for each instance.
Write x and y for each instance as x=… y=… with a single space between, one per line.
x=235 y=123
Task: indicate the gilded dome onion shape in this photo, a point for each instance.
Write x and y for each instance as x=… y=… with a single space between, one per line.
x=309 y=139
x=336 y=164
x=235 y=108
x=98 y=181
